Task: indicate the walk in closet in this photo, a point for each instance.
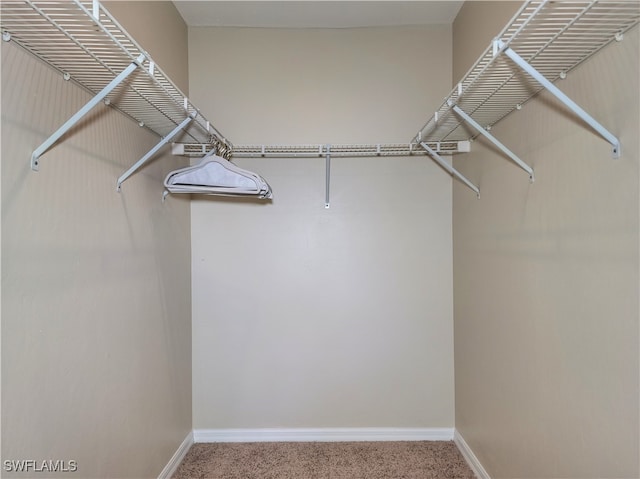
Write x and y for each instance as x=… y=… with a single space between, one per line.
x=321 y=221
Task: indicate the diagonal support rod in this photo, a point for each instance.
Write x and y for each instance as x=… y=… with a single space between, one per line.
x=71 y=122
x=494 y=140
x=327 y=160
x=441 y=161
x=568 y=102
x=152 y=151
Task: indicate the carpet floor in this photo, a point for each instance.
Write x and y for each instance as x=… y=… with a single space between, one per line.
x=325 y=460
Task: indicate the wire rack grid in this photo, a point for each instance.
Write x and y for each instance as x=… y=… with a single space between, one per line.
x=553 y=37
x=86 y=44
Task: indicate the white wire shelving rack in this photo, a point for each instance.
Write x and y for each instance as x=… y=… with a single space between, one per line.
x=542 y=43
x=86 y=45
x=325 y=151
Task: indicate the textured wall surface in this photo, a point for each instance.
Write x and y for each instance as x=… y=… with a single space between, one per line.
x=546 y=277
x=308 y=317
x=96 y=296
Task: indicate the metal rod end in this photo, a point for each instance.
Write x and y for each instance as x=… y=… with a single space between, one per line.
x=326 y=206
x=616 y=152
x=35 y=164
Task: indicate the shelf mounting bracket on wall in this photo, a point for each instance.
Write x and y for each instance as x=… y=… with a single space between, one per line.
x=553 y=38
x=500 y=47
x=442 y=162
x=484 y=132
x=84 y=42
x=153 y=151
x=71 y=122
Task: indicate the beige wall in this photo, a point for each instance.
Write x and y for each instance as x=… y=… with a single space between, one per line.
x=476 y=24
x=307 y=317
x=96 y=331
x=546 y=281
x=161 y=32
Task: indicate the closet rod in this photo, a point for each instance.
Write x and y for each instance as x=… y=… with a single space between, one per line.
x=317 y=151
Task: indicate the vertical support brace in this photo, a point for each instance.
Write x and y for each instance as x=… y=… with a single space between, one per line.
x=494 y=140
x=96 y=10
x=70 y=123
x=568 y=102
x=152 y=152
x=441 y=161
x=328 y=176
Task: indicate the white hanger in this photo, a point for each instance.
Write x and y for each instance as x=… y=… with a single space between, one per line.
x=216 y=176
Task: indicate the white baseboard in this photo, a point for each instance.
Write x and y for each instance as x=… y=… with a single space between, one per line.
x=177 y=458
x=470 y=457
x=323 y=434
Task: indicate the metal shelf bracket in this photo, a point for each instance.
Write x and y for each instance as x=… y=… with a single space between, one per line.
x=568 y=102
x=328 y=176
x=494 y=140
x=554 y=38
x=153 y=151
x=71 y=122
x=441 y=161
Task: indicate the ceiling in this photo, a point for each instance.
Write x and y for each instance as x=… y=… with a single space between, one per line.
x=316 y=14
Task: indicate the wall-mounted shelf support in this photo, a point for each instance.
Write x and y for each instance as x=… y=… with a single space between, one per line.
x=318 y=150
x=493 y=140
x=328 y=176
x=551 y=38
x=82 y=41
x=555 y=91
x=443 y=163
x=153 y=151
x=71 y=122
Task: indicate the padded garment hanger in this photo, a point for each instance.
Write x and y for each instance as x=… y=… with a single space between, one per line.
x=216 y=176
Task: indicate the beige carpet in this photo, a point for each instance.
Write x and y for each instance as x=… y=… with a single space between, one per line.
x=325 y=460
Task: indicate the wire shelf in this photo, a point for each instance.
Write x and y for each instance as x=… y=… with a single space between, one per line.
x=314 y=151
x=311 y=151
x=553 y=37
x=86 y=44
